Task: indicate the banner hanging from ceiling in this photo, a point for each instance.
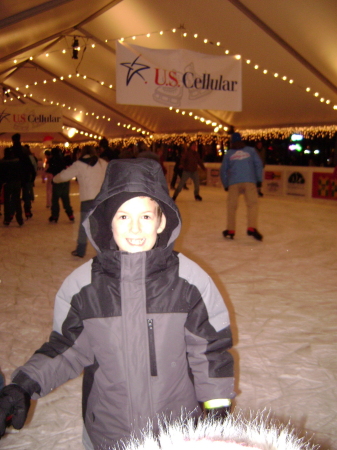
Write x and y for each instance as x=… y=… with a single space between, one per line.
x=30 y=118
x=177 y=78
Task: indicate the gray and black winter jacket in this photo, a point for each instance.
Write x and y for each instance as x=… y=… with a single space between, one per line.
x=150 y=330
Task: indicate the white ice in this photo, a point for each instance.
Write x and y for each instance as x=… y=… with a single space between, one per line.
x=281 y=293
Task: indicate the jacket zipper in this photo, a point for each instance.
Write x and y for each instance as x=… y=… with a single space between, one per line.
x=152 y=349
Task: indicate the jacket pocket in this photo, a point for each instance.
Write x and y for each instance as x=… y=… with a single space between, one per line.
x=152 y=349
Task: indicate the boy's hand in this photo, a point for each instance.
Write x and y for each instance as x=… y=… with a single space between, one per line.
x=14 y=406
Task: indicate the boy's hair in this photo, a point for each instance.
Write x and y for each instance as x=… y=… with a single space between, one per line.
x=159 y=211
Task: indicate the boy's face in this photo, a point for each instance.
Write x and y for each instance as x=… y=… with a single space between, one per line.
x=136 y=224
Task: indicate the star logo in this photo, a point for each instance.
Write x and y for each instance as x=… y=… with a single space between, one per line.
x=134 y=69
x=3 y=115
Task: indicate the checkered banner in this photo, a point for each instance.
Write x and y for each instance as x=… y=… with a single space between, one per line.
x=177 y=78
x=324 y=186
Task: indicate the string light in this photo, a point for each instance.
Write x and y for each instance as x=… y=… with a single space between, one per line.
x=284 y=133
x=174 y=30
x=76 y=47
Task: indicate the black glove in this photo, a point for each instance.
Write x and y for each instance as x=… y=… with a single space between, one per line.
x=259 y=184
x=14 y=406
x=219 y=413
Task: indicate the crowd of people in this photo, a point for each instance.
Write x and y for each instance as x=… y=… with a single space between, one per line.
x=18 y=170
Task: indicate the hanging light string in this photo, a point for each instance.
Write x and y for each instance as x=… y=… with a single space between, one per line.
x=308 y=132
x=183 y=33
x=205 y=139
x=218 y=128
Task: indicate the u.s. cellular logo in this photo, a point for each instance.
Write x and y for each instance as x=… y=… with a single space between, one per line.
x=175 y=79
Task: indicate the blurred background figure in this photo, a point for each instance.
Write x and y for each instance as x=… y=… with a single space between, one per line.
x=33 y=160
x=106 y=152
x=27 y=173
x=89 y=170
x=47 y=178
x=177 y=169
x=190 y=160
x=56 y=164
x=10 y=180
x=261 y=151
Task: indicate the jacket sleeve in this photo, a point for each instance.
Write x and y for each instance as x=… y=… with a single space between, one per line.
x=258 y=166
x=224 y=171
x=66 y=174
x=201 y=164
x=208 y=335
x=67 y=352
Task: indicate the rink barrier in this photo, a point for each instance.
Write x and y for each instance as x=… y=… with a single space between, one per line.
x=287 y=181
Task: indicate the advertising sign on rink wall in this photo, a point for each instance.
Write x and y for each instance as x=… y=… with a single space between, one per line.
x=273 y=182
x=324 y=186
x=213 y=176
x=297 y=182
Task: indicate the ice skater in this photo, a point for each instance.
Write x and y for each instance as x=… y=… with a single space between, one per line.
x=89 y=170
x=241 y=173
x=190 y=160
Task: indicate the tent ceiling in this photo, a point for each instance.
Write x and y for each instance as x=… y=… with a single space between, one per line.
x=294 y=39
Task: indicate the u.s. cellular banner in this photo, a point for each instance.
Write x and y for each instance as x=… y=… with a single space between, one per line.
x=30 y=118
x=177 y=78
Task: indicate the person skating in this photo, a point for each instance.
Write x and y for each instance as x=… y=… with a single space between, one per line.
x=60 y=191
x=89 y=170
x=241 y=173
x=190 y=160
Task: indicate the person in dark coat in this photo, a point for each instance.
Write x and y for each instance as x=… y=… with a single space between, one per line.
x=27 y=173
x=190 y=160
x=56 y=164
x=11 y=180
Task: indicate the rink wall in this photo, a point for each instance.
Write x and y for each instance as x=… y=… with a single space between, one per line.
x=294 y=181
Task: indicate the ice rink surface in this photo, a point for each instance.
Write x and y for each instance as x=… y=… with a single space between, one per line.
x=281 y=293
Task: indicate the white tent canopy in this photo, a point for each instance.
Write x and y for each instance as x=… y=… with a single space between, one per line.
x=291 y=39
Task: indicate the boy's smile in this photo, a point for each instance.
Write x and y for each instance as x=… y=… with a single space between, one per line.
x=136 y=224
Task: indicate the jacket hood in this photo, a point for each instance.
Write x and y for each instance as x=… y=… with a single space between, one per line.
x=91 y=160
x=125 y=179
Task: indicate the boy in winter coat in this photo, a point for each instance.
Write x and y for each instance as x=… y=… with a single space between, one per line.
x=146 y=325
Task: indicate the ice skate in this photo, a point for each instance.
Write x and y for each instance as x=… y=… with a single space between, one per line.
x=228 y=234
x=256 y=235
